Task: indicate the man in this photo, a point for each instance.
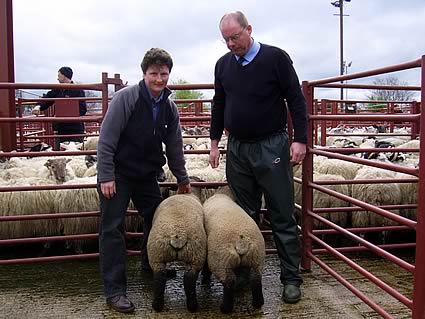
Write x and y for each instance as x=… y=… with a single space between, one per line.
x=252 y=82
x=139 y=120
x=66 y=128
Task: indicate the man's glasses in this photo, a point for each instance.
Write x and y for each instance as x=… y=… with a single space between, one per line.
x=233 y=37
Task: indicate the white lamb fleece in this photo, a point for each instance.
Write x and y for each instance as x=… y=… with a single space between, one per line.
x=375 y=194
x=346 y=169
x=177 y=234
x=27 y=203
x=322 y=200
x=91 y=143
x=234 y=242
x=78 y=165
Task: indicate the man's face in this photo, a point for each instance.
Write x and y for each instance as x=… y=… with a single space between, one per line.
x=156 y=78
x=237 y=38
x=62 y=78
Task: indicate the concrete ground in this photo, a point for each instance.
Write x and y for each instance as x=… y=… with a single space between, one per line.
x=73 y=290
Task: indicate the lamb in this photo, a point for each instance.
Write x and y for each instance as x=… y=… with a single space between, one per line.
x=70 y=146
x=77 y=200
x=235 y=244
x=78 y=165
x=322 y=200
x=375 y=194
x=177 y=234
x=91 y=143
x=346 y=169
x=409 y=195
x=58 y=170
x=27 y=203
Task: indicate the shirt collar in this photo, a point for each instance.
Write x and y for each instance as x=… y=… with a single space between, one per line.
x=155 y=100
x=252 y=52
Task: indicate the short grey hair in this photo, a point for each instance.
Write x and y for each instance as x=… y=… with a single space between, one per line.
x=238 y=16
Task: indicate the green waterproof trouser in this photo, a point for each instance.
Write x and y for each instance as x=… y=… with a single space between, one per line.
x=261 y=167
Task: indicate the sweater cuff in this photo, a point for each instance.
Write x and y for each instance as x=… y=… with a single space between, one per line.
x=183 y=181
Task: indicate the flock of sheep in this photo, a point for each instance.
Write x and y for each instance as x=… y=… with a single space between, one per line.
x=377 y=194
x=192 y=229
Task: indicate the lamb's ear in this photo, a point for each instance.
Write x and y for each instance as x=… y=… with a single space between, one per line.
x=48 y=163
x=68 y=160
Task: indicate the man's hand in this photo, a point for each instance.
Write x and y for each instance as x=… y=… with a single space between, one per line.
x=108 y=189
x=36 y=110
x=297 y=151
x=214 y=158
x=184 y=189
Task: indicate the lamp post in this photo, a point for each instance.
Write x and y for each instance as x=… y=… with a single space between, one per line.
x=346 y=66
x=340 y=4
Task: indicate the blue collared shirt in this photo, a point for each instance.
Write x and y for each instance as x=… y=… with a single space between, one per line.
x=251 y=53
x=155 y=102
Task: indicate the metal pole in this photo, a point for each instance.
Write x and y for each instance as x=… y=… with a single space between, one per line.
x=341 y=43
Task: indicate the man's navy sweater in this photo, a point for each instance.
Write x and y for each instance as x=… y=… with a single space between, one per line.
x=249 y=100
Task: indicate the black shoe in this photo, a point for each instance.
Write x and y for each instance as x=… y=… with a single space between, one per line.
x=291 y=294
x=120 y=304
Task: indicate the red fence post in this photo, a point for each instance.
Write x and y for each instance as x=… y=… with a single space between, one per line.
x=307 y=192
x=419 y=281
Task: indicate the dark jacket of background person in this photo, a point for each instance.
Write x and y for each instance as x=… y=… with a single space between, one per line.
x=66 y=127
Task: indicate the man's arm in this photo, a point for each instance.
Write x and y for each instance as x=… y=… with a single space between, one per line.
x=217 y=119
x=42 y=106
x=293 y=94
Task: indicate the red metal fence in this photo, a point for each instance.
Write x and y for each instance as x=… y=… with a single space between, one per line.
x=310 y=213
x=195 y=113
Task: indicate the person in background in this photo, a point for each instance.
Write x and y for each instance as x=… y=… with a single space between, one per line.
x=140 y=119
x=64 y=128
x=253 y=84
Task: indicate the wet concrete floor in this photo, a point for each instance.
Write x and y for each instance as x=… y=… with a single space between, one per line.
x=73 y=290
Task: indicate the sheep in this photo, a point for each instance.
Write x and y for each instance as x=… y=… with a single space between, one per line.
x=91 y=143
x=78 y=165
x=177 y=234
x=27 y=203
x=91 y=171
x=41 y=147
x=322 y=200
x=338 y=167
x=58 y=170
x=18 y=172
x=71 y=146
x=235 y=244
x=77 y=200
x=346 y=169
x=413 y=144
x=409 y=195
x=375 y=194
x=410 y=144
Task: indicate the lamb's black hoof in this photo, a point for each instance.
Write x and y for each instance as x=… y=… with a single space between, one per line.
x=192 y=305
x=224 y=308
x=258 y=302
x=158 y=305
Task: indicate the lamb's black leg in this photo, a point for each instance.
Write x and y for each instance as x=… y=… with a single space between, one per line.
x=257 y=289
x=228 y=293
x=189 y=282
x=206 y=274
x=159 y=281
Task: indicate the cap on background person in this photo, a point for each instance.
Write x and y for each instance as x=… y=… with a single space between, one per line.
x=66 y=71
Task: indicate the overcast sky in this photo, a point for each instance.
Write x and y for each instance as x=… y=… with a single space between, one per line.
x=112 y=36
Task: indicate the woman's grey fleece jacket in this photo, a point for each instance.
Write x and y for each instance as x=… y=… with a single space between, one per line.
x=130 y=142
